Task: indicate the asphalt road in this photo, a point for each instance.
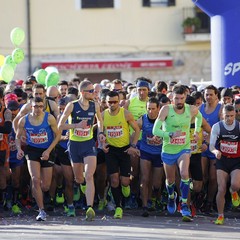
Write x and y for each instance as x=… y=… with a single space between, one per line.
x=132 y=226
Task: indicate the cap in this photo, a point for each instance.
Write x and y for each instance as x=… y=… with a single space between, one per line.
x=19 y=83
x=12 y=105
x=10 y=97
x=227 y=92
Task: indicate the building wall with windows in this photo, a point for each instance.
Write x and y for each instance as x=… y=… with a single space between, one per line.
x=99 y=31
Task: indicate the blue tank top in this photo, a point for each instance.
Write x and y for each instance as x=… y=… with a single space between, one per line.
x=40 y=136
x=213 y=117
x=147 y=144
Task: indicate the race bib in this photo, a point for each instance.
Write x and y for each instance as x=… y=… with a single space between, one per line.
x=82 y=132
x=181 y=140
x=39 y=138
x=115 y=132
x=229 y=147
x=193 y=145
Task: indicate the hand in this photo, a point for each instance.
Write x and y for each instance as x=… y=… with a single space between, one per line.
x=217 y=154
x=133 y=151
x=177 y=133
x=20 y=154
x=102 y=138
x=105 y=147
x=82 y=124
x=204 y=147
x=45 y=155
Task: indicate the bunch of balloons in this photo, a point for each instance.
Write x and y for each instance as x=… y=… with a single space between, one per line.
x=48 y=76
x=9 y=63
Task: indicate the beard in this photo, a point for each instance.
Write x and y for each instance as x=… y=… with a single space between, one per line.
x=179 y=106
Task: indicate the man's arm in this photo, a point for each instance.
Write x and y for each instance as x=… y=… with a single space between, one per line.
x=99 y=123
x=213 y=139
x=157 y=131
x=23 y=111
x=54 y=108
x=19 y=132
x=126 y=104
x=130 y=119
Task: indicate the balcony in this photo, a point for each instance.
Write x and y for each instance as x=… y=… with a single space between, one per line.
x=196 y=25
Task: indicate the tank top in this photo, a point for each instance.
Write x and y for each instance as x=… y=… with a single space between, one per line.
x=175 y=122
x=3 y=136
x=40 y=136
x=137 y=107
x=78 y=114
x=116 y=129
x=213 y=117
x=147 y=144
x=229 y=140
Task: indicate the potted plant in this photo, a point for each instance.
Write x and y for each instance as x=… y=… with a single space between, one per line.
x=191 y=24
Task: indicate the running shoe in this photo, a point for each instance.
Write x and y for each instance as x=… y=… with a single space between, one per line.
x=145 y=212
x=102 y=204
x=71 y=212
x=171 y=206
x=42 y=216
x=235 y=199
x=186 y=213
x=118 y=213
x=219 y=221
x=16 y=209
x=126 y=191
x=90 y=214
x=59 y=196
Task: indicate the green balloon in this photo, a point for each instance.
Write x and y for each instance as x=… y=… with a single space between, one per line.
x=52 y=79
x=17 y=36
x=18 y=55
x=7 y=73
x=9 y=61
x=40 y=76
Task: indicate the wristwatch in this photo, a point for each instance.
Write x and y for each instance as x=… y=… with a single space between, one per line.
x=133 y=145
x=171 y=134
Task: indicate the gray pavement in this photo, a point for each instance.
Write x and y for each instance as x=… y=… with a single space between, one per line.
x=132 y=226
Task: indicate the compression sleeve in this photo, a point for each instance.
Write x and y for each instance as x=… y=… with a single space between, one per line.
x=157 y=131
x=198 y=122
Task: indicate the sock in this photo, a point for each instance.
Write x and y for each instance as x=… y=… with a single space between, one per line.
x=70 y=206
x=184 y=188
x=170 y=189
x=116 y=195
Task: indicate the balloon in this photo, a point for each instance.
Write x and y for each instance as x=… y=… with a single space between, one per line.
x=9 y=61
x=18 y=55
x=40 y=76
x=17 y=36
x=51 y=69
x=7 y=73
x=2 y=58
x=52 y=79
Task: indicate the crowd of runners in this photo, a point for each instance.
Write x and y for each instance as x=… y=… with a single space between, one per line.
x=115 y=145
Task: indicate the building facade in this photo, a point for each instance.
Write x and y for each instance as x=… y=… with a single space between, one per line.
x=109 y=39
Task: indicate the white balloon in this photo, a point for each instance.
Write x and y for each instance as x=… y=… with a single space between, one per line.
x=51 y=69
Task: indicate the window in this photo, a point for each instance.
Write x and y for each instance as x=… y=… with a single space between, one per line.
x=97 y=3
x=158 y=3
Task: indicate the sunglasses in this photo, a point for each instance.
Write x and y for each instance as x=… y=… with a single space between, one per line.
x=112 y=102
x=38 y=106
x=237 y=110
x=89 y=91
